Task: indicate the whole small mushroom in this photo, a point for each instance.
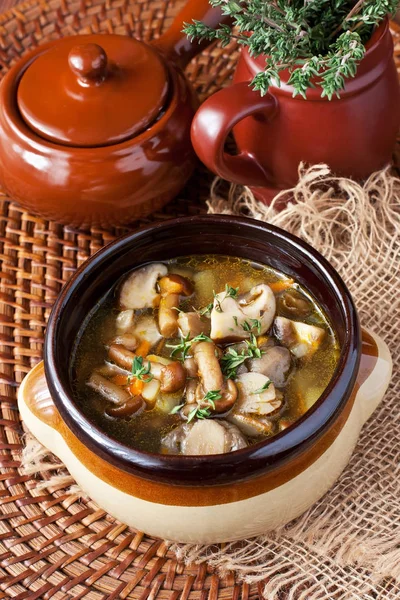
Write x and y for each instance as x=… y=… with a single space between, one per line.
x=211 y=378
x=172 y=287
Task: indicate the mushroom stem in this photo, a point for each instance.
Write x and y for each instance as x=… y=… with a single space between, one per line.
x=171 y=287
x=168 y=315
x=107 y=389
x=209 y=367
x=121 y=356
x=212 y=379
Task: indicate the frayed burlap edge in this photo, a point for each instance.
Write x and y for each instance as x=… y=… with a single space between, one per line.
x=347 y=546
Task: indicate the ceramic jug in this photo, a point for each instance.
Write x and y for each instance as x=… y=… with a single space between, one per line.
x=354 y=134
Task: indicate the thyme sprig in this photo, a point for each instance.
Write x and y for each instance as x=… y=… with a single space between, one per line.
x=232 y=359
x=262 y=388
x=185 y=345
x=139 y=371
x=318 y=42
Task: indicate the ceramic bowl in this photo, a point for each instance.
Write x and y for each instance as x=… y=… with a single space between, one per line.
x=221 y=497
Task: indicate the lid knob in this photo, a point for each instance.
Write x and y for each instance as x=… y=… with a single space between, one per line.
x=89 y=63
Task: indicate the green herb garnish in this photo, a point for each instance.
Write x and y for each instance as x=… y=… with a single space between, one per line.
x=204 y=311
x=186 y=343
x=139 y=371
x=176 y=409
x=212 y=396
x=318 y=43
x=200 y=413
x=232 y=359
x=262 y=388
x=231 y=292
x=248 y=326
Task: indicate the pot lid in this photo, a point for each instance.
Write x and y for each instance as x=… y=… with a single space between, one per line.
x=93 y=90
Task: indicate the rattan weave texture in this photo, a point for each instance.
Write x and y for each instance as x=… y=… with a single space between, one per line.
x=55 y=545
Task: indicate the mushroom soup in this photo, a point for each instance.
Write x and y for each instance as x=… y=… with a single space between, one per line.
x=202 y=355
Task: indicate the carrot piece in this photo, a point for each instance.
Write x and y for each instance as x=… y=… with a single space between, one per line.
x=143 y=348
x=281 y=285
x=120 y=379
x=136 y=387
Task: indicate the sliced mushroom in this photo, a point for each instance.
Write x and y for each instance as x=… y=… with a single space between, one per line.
x=204 y=437
x=132 y=406
x=126 y=339
x=301 y=339
x=229 y=315
x=147 y=329
x=257 y=395
x=139 y=288
x=125 y=320
x=110 y=391
x=259 y=304
x=192 y=324
x=227 y=320
x=251 y=425
x=172 y=287
x=274 y=363
x=294 y=304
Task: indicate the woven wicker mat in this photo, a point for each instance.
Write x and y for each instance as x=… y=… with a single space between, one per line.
x=54 y=545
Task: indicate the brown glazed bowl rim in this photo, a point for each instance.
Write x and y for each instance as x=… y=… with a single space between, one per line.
x=215 y=469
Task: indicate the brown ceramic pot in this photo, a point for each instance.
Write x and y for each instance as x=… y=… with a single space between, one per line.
x=95 y=130
x=225 y=496
x=354 y=135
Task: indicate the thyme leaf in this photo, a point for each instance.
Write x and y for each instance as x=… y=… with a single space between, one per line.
x=262 y=388
x=139 y=371
x=185 y=344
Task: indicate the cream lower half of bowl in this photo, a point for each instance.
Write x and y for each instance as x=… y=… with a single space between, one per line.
x=233 y=520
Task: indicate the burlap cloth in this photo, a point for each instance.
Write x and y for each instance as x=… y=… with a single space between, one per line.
x=347 y=546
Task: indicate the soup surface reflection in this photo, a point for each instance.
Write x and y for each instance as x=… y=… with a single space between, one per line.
x=202 y=355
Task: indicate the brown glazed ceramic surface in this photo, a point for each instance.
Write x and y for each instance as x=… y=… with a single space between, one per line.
x=95 y=130
x=288 y=452
x=354 y=135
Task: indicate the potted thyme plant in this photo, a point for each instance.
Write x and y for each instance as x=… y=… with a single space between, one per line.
x=317 y=82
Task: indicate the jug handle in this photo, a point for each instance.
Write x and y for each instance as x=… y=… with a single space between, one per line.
x=175 y=45
x=213 y=122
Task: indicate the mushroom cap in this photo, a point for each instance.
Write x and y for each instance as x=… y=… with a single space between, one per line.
x=139 y=289
x=208 y=436
x=176 y=284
